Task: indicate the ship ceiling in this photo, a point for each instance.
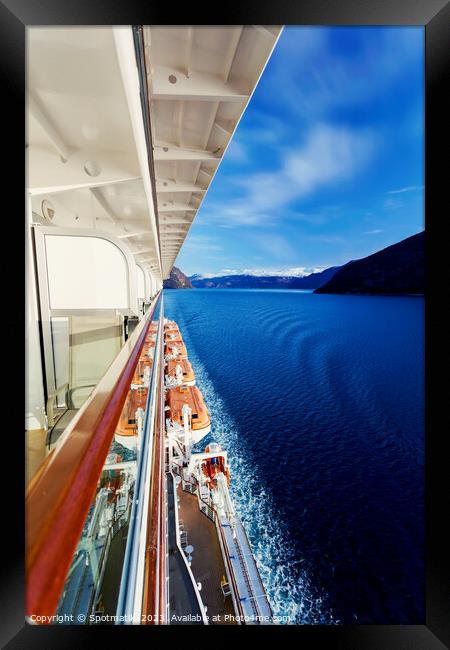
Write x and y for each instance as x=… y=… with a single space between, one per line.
x=82 y=149
x=200 y=80
x=86 y=141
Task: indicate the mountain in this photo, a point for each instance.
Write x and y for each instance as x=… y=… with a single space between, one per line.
x=395 y=270
x=177 y=280
x=244 y=281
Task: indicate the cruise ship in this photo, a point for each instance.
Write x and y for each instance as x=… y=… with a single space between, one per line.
x=129 y=510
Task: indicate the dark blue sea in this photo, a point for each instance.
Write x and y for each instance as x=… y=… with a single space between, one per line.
x=319 y=400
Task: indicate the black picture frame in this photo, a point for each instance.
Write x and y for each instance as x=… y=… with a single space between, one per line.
x=15 y=16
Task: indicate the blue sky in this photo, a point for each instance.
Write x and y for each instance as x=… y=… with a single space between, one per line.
x=326 y=164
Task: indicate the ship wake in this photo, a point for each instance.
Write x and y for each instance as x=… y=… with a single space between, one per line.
x=293 y=597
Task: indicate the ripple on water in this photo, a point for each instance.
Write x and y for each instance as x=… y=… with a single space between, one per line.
x=288 y=585
x=319 y=402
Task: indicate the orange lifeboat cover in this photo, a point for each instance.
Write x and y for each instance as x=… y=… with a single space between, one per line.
x=191 y=396
x=188 y=373
x=182 y=354
x=127 y=423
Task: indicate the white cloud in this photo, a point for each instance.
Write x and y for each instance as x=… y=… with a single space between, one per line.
x=265 y=129
x=325 y=79
x=328 y=239
x=236 y=152
x=373 y=232
x=201 y=243
x=274 y=244
x=328 y=155
x=392 y=204
x=410 y=188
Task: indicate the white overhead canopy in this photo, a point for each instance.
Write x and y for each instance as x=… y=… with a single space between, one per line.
x=200 y=80
x=83 y=137
x=88 y=159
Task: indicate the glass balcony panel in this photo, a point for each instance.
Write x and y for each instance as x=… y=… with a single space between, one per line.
x=93 y=582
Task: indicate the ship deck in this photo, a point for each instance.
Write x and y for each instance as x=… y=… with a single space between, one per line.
x=207 y=562
x=182 y=597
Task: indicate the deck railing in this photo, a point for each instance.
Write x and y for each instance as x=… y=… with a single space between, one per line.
x=154 y=581
x=210 y=511
x=144 y=520
x=59 y=496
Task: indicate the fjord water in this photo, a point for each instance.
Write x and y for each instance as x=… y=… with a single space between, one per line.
x=319 y=400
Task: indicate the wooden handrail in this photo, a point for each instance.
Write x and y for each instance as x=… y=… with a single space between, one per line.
x=59 y=498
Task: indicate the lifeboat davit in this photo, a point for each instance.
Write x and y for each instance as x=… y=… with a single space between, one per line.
x=148 y=351
x=190 y=395
x=173 y=337
x=175 y=350
x=171 y=327
x=169 y=323
x=186 y=368
x=215 y=464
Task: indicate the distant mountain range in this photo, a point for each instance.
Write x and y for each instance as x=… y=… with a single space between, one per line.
x=395 y=270
x=247 y=281
x=177 y=280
